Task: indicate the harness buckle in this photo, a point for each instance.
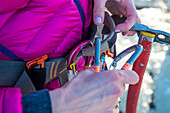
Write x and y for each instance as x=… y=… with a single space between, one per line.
x=38 y=61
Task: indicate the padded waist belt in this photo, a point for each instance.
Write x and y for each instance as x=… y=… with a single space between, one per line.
x=15 y=74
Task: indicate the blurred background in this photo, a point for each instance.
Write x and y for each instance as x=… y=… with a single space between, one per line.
x=155 y=91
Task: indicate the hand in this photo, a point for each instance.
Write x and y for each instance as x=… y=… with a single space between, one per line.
x=92 y=92
x=118 y=7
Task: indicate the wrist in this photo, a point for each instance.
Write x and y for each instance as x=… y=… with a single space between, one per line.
x=37 y=102
x=56 y=98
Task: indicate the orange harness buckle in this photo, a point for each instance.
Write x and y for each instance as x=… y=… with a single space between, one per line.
x=38 y=61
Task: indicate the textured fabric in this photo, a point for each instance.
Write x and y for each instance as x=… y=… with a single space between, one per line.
x=10 y=100
x=32 y=28
x=80 y=64
x=54 y=84
x=37 y=102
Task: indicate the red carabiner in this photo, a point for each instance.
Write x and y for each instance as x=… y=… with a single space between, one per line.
x=74 y=53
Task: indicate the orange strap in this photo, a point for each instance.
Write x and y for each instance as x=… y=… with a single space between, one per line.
x=109 y=53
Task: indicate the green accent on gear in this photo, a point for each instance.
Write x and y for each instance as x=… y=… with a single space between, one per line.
x=116 y=106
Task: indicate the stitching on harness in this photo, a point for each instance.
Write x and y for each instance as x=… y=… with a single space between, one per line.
x=63 y=70
x=51 y=71
x=56 y=67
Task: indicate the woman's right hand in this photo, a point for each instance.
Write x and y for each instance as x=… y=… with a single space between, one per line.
x=92 y=92
x=117 y=7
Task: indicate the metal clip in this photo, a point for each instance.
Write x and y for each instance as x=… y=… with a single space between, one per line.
x=71 y=74
x=137 y=48
x=74 y=68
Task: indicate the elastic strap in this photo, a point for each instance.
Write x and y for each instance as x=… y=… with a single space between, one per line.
x=38 y=77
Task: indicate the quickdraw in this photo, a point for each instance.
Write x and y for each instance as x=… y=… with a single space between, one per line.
x=138 y=50
x=96 y=66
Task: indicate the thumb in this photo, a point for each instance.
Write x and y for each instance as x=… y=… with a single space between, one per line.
x=98 y=11
x=128 y=76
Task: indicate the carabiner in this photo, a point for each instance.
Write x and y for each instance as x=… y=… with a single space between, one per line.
x=103 y=62
x=71 y=63
x=75 y=52
x=96 y=66
x=104 y=43
x=88 y=61
x=138 y=50
x=73 y=67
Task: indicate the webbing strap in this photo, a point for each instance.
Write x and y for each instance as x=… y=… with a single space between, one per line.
x=12 y=74
x=10 y=71
x=63 y=78
x=25 y=83
x=55 y=67
x=8 y=53
x=38 y=77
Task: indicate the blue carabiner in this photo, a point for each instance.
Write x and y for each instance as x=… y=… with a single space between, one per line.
x=138 y=48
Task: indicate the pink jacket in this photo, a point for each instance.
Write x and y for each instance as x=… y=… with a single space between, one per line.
x=10 y=100
x=33 y=28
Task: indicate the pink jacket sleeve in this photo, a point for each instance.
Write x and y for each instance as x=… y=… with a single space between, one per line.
x=10 y=100
x=10 y=5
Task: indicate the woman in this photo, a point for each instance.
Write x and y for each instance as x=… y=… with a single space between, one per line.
x=32 y=28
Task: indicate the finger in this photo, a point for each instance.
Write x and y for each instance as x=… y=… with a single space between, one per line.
x=88 y=71
x=124 y=33
x=98 y=11
x=132 y=18
x=128 y=77
x=124 y=27
x=129 y=33
x=115 y=110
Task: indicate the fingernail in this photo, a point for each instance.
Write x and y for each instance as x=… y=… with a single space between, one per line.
x=117 y=30
x=98 y=20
